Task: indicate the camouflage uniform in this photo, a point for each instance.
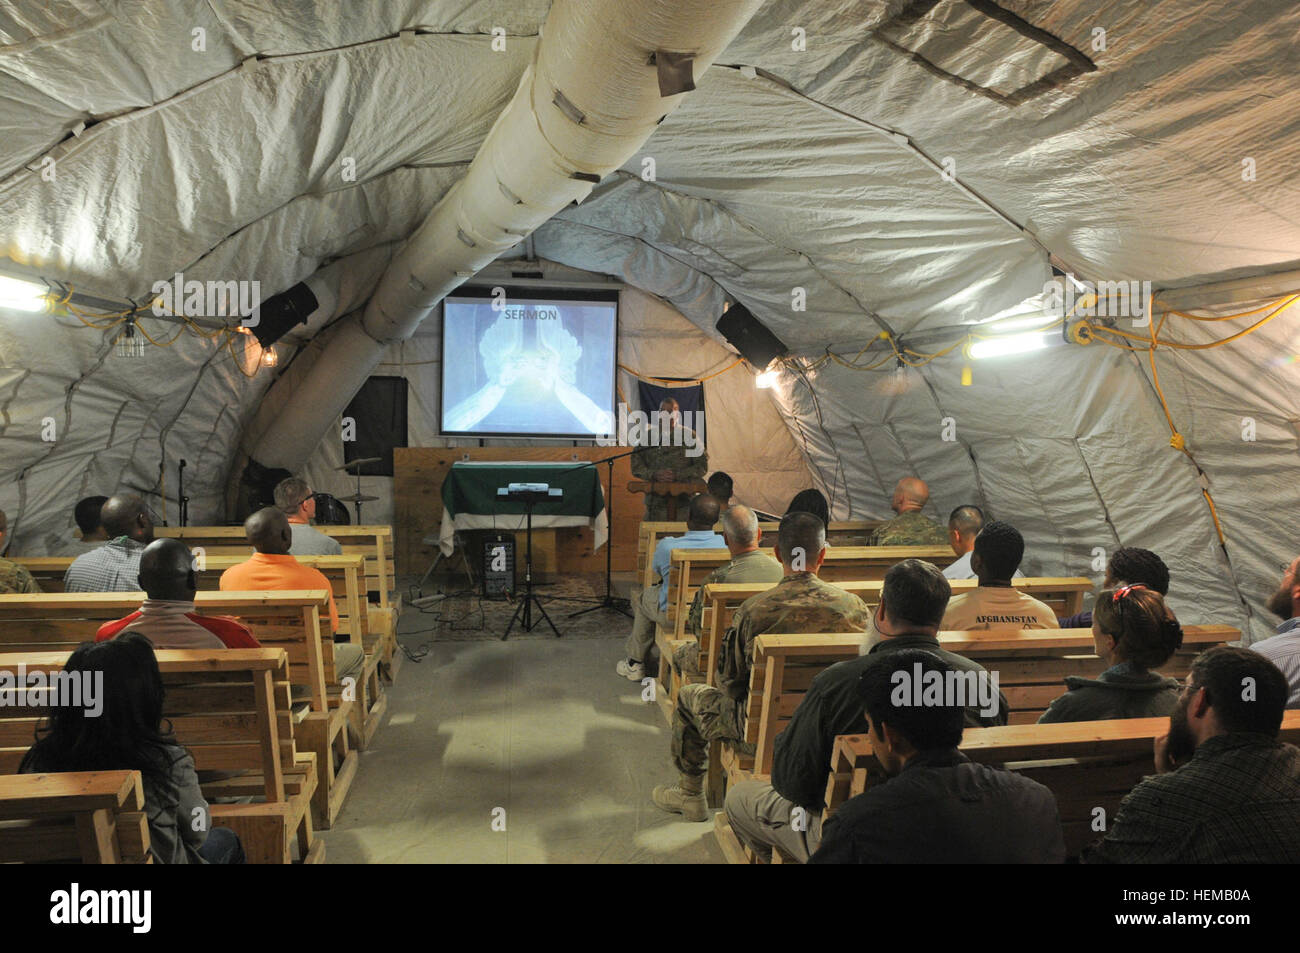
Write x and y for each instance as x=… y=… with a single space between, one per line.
x=912 y=528
x=16 y=579
x=652 y=459
x=798 y=603
x=752 y=566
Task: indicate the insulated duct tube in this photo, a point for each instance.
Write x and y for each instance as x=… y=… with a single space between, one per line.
x=604 y=74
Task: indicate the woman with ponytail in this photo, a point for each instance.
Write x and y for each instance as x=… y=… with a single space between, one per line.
x=1134 y=633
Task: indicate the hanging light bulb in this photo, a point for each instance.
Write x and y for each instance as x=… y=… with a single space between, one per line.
x=128 y=344
x=270 y=358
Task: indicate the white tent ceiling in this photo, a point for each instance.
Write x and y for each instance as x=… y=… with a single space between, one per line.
x=815 y=168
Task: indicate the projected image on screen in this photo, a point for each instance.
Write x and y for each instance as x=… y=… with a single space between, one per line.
x=528 y=366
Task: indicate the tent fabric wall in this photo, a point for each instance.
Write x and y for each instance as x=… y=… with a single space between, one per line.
x=813 y=167
x=1072 y=447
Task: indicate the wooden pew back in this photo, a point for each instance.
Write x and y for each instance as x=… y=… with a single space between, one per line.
x=374 y=543
x=89 y=817
x=229 y=708
x=288 y=620
x=1086 y=764
x=1031 y=665
x=343 y=572
x=839 y=533
x=721 y=600
x=689 y=568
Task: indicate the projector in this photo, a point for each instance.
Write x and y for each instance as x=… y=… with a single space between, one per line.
x=528 y=487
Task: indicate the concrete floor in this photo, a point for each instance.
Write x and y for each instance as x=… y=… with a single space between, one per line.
x=541 y=728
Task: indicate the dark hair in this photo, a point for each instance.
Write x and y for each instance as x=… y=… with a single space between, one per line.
x=127 y=734
x=1223 y=670
x=800 y=531
x=703 y=511
x=810 y=501
x=1143 y=627
x=120 y=514
x=966 y=519
x=926 y=727
x=915 y=591
x=86 y=513
x=1000 y=548
x=1139 y=567
x=721 y=486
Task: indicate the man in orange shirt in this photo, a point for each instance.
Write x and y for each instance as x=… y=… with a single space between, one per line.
x=272 y=568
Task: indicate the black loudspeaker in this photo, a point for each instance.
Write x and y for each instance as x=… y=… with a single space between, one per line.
x=498 y=565
x=257 y=488
x=378 y=414
x=280 y=314
x=747 y=335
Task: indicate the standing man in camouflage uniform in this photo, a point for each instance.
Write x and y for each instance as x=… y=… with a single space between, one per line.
x=800 y=602
x=910 y=527
x=669 y=462
x=13 y=577
x=742 y=535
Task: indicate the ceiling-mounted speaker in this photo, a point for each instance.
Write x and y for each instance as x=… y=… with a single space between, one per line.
x=280 y=314
x=747 y=335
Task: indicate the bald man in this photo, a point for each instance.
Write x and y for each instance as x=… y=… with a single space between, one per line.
x=668 y=461
x=272 y=568
x=167 y=618
x=115 y=566
x=910 y=527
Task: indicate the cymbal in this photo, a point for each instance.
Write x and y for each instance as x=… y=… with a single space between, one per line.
x=360 y=463
x=356 y=498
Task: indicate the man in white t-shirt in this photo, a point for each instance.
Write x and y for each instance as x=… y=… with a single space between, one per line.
x=964 y=524
x=995 y=603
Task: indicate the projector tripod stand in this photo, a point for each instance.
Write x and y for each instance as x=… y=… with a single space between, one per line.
x=524 y=611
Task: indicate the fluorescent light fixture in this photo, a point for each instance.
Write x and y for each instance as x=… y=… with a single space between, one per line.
x=1017 y=324
x=1013 y=344
x=766 y=379
x=18 y=294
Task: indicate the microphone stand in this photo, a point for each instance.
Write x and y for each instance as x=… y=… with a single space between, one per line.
x=184 y=504
x=609 y=602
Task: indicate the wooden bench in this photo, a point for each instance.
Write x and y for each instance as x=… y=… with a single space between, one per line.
x=374 y=543
x=690 y=567
x=1031 y=665
x=721 y=600
x=290 y=620
x=230 y=708
x=1087 y=764
x=345 y=577
x=839 y=533
x=88 y=817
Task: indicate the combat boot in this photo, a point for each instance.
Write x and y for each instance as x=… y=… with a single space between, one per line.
x=692 y=805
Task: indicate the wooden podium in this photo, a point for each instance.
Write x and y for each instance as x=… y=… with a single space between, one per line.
x=671 y=490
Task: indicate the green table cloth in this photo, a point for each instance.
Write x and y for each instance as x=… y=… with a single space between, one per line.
x=470 y=501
